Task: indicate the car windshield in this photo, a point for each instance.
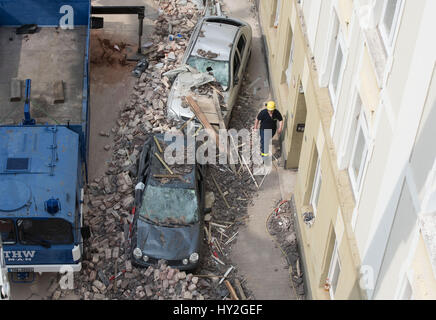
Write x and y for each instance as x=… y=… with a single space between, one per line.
x=45 y=232
x=219 y=69
x=171 y=206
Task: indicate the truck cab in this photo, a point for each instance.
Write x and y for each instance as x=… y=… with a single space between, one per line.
x=40 y=198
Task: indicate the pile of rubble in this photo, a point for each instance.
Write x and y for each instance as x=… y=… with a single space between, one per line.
x=281 y=225
x=106 y=52
x=107 y=272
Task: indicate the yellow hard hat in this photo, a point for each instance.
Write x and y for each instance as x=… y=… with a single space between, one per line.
x=271 y=106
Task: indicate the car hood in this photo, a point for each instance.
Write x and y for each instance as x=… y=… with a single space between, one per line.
x=177 y=108
x=167 y=243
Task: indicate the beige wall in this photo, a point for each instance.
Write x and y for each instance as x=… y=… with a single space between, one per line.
x=316 y=239
x=357 y=221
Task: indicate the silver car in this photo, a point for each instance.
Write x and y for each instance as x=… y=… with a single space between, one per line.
x=219 y=48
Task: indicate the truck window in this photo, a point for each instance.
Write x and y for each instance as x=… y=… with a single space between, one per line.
x=51 y=231
x=7 y=231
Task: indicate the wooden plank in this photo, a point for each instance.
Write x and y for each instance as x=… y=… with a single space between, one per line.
x=15 y=89
x=231 y=290
x=206 y=104
x=202 y=118
x=207 y=107
x=186 y=123
x=240 y=290
x=163 y=162
x=58 y=92
x=158 y=144
x=219 y=190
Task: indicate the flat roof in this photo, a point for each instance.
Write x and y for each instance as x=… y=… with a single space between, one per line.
x=32 y=171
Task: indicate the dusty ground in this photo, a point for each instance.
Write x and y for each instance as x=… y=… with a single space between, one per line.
x=112 y=83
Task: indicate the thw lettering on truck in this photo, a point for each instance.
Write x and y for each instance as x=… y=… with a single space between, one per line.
x=24 y=255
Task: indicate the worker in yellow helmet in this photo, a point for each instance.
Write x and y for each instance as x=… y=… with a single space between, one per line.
x=267 y=118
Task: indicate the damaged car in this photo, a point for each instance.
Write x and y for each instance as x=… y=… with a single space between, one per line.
x=169 y=208
x=219 y=51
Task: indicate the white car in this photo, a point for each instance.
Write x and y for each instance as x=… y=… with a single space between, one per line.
x=220 y=47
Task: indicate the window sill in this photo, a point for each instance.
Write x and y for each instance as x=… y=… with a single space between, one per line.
x=377 y=53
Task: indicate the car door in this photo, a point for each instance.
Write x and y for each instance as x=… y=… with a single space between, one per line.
x=239 y=60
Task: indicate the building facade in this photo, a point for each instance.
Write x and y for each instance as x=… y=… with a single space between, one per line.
x=356 y=83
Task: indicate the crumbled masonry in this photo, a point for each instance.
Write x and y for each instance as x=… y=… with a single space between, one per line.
x=107 y=272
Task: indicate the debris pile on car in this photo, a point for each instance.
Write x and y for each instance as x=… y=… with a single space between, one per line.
x=107 y=272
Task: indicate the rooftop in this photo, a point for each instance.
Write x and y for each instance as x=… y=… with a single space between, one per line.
x=39 y=171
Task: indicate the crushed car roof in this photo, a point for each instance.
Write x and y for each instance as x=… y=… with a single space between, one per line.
x=217 y=38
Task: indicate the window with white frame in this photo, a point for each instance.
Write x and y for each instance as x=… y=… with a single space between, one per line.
x=389 y=20
x=331 y=47
x=334 y=271
x=277 y=17
x=316 y=190
x=337 y=71
x=352 y=122
x=288 y=71
x=359 y=154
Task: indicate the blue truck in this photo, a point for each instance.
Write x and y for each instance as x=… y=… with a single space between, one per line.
x=44 y=132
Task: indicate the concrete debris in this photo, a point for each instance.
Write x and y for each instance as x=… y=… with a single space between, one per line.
x=209 y=199
x=109 y=53
x=281 y=226
x=107 y=271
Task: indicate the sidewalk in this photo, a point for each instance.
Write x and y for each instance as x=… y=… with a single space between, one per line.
x=255 y=254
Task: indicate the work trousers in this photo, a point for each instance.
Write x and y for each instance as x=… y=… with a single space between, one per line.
x=266 y=136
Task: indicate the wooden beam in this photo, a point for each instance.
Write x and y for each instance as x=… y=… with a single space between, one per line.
x=163 y=162
x=202 y=118
x=219 y=190
x=240 y=290
x=158 y=144
x=231 y=290
x=186 y=123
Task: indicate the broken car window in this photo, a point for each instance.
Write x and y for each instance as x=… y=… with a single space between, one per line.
x=175 y=206
x=219 y=69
